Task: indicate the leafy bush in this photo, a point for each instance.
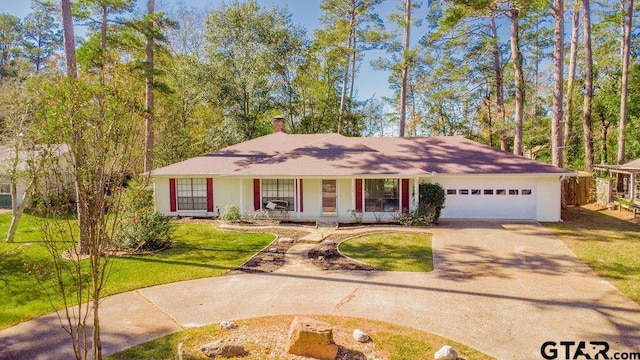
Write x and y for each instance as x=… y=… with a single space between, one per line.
x=425 y=215
x=136 y=197
x=230 y=213
x=147 y=230
x=432 y=195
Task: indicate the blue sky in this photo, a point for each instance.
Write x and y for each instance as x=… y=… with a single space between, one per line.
x=304 y=12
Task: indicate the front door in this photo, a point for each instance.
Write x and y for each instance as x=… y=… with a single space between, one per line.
x=329 y=197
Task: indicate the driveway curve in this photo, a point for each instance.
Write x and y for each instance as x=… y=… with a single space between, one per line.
x=503 y=288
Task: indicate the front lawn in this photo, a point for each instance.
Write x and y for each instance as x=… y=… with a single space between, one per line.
x=606 y=242
x=199 y=250
x=399 y=251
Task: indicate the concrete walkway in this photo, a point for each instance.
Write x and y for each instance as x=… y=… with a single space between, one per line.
x=502 y=288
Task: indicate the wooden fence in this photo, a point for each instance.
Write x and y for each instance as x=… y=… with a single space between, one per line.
x=579 y=190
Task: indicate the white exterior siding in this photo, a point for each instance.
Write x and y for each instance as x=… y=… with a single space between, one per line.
x=548 y=199
x=541 y=204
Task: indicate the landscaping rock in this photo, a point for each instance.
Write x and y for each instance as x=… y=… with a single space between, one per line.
x=268 y=258
x=321 y=258
x=446 y=353
x=312 y=338
x=273 y=250
x=228 y=325
x=329 y=242
x=360 y=336
x=222 y=349
x=285 y=240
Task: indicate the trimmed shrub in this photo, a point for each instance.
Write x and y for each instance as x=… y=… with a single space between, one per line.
x=432 y=195
x=230 y=213
x=425 y=215
x=147 y=230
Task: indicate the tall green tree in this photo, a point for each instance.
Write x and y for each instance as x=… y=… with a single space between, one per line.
x=348 y=26
x=42 y=35
x=10 y=38
x=246 y=47
x=625 y=51
x=588 y=87
x=558 y=65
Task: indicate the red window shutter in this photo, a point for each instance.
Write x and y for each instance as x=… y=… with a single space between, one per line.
x=301 y=192
x=405 y=195
x=358 y=194
x=209 y=194
x=256 y=194
x=172 y=195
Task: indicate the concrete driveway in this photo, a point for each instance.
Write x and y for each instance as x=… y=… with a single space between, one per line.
x=502 y=288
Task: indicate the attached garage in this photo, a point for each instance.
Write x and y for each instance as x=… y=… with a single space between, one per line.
x=500 y=197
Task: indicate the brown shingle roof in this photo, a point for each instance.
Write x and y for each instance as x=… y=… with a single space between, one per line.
x=281 y=154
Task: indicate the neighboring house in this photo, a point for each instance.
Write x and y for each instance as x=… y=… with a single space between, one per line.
x=624 y=184
x=308 y=177
x=50 y=180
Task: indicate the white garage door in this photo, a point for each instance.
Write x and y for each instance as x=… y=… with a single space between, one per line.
x=482 y=199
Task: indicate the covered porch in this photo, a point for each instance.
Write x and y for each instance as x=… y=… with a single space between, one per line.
x=623 y=183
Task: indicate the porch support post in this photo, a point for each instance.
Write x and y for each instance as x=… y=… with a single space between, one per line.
x=416 y=193
x=298 y=197
x=242 y=207
x=632 y=187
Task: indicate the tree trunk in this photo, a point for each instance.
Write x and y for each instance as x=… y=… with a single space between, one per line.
x=518 y=82
x=625 y=81
x=405 y=66
x=497 y=68
x=568 y=121
x=149 y=100
x=345 y=74
x=588 y=88
x=558 y=62
x=69 y=40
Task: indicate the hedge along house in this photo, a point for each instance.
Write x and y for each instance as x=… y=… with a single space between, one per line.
x=310 y=176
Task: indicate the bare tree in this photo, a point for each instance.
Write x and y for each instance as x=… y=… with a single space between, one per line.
x=588 y=88
x=69 y=39
x=499 y=83
x=14 y=116
x=149 y=100
x=405 y=66
x=626 y=48
x=518 y=81
x=558 y=62
x=568 y=121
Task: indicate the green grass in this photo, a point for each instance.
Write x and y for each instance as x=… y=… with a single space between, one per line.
x=608 y=245
x=392 y=251
x=391 y=341
x=199 y=250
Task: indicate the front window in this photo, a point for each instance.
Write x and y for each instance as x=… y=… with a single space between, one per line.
x=381 y=195
x=5 y=188
x=278 y=194
x=192 y=194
